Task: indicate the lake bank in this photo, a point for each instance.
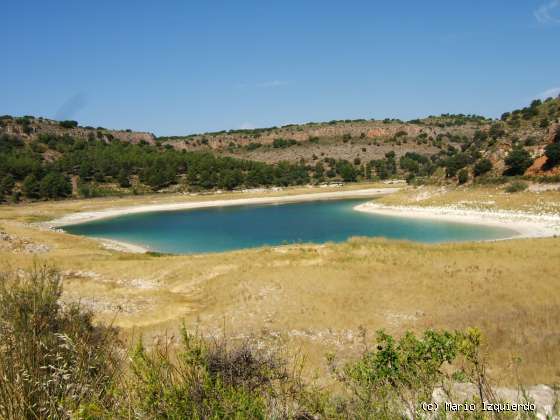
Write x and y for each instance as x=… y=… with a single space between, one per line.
x=520 y=224
x=82 y=217
x=528 y=225
x=229 y=228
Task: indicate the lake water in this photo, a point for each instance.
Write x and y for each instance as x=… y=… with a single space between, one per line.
x=228 y=228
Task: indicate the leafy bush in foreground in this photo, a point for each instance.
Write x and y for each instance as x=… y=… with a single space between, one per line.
x=52 y=358
x=206 y=380
x=395 y=378
x=54 y=363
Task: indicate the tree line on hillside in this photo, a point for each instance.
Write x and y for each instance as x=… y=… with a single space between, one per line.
x=44 y=167
x=540 y=112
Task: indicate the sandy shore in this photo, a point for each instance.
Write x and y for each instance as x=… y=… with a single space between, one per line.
x=82 y=217
x=122 y=246
x=527 y=225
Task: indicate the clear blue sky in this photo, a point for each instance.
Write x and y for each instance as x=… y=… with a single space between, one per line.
x=177 y=67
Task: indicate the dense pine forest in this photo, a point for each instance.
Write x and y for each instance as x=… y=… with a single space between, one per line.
x=45 y=167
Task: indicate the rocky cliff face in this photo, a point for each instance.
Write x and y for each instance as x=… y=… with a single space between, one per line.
x=29 y=128
x=357 y=139
x=532 y=128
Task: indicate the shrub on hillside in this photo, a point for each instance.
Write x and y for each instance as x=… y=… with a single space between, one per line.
x=7 y=184
x=68 y=124
x=552 y=152
x=410 y=178
x=463 y=176
x=517 y=161
x=517 y=186
x=346 y=170
x=282 y=143
x=123 y=178
x=253 y=146
x=455 y=163
x=496 y=130
x=482 y=167
x=55 y=185
x=30 y=186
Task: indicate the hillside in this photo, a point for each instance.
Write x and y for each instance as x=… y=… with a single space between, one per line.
x=44 y=159
x=29 y=128
x=438 y=137
x=343 y=139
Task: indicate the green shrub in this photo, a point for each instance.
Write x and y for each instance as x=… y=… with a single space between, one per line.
x=410 y=178
x=68 y=124
x=7 y=184
x=455 y=163
x=517 y=161
x=530 y=141
x=30 y=186
x=253 y=146
x=55 y=185
x=282 y=143
x=346 y=170
x=463 y=176
x=123 y=178
x=53 y=360
x=84 y=189
x=516 y=186
x=482 y=167
x=552 y=152
x=55 y=363
x=398 y=375
x=210 y=379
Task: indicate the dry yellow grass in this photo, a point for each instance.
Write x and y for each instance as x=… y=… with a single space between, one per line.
x=479 y=197
x=43 y=211
x=316 y=297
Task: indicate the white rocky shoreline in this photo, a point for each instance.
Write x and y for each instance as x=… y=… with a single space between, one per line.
x=527 y=225
x=82 y=217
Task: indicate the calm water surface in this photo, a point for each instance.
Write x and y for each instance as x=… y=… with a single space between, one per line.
x=228 y=228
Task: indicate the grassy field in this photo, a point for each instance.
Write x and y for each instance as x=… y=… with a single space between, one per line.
x=536 y=199
x=319 y=298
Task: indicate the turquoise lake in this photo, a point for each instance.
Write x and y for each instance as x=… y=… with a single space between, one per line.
x=229 y=228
